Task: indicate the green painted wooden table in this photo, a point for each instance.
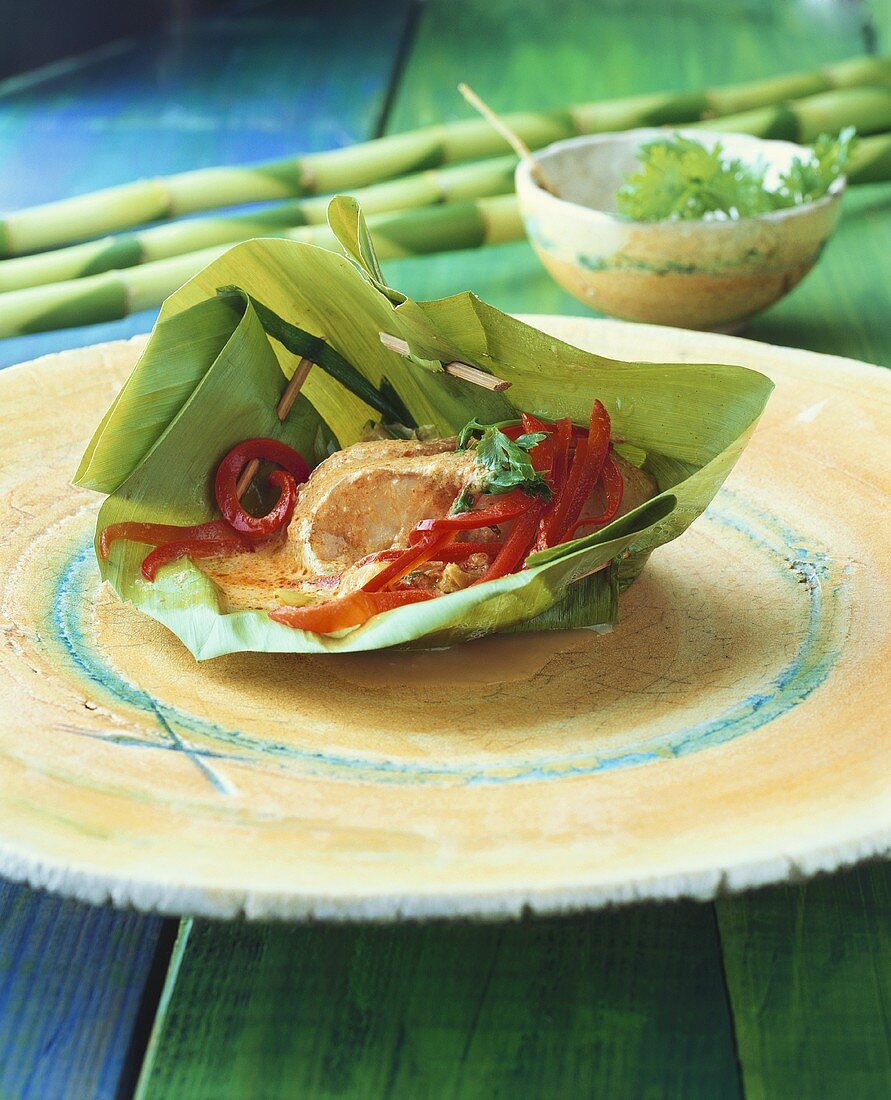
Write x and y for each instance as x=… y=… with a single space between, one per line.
x=784 y=992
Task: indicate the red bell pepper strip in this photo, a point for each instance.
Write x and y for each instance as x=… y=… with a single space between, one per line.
x=504 y=507
x=158 y=534
x=455 y=551
x=346 y=611
x=228 y=471
x=562 y=440
x=378 y=556
x=555 y=523
x=411 y=558
x=587 y=466
x=542 y=455
x=531 y=423
x=275 y=519
x=461 y=551
x=516 y=545
x=613 y=490
x=193 y=548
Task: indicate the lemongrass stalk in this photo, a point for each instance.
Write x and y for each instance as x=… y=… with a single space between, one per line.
x=115 y=294
x=466 y=224
x=803 y=120
x=870 y=160
x=455 y=183
x=52 y=224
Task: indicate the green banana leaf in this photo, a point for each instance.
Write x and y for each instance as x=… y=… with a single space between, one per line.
x=218 y=359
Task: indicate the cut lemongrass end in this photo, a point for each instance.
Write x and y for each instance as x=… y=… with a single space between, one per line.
x=476 y=376
x=457 y=370
x=395 y=343
x=284 y=406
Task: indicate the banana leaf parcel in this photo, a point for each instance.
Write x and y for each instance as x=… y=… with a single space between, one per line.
x=228 y=340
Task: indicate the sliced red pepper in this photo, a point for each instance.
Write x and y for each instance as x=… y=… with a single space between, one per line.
x=562 y=440
x=587 y=466
x=613 y=490
x=346 y=611
x=542 y=455
x=409 y=559
x=296 y=471
x=158 y=534
x=555 y=523
x=517 y=544
x=531 y=424
x=193 y=548
x=455 y=551
x=379 y=555
x=505 y=507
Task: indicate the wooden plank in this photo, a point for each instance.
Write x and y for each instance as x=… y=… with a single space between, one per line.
x=217 y=91
x=71 y=982
x=525 y=54
x=842 y=308
x=809 y=974
x=624 y=1003
x=71 y=977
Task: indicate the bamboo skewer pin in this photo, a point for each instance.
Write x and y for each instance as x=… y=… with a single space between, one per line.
x=513 y=139
x=284 y=406
x=457 y=370
x=393 y=343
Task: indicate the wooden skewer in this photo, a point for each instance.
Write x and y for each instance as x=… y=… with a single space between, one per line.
x=458 y=370
x=476 y=376
x=514 y=140
x=395 y=343
x=284 y=406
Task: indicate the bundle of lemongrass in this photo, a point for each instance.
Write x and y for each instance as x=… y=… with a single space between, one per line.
x=429 y=190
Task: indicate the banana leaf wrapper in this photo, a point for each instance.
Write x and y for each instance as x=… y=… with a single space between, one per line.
x=211 y=375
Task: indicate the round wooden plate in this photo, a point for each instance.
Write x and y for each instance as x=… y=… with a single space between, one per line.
x=731 y=730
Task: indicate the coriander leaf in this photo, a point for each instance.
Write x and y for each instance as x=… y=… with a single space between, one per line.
x=465 y=437
x=680 y=179
x=529 y=439
x=463 y=502
x=808 y=180
x=506 y=463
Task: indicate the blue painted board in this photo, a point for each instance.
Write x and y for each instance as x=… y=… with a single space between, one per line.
x=71 y=980
x=226 y=90
x=223 y=91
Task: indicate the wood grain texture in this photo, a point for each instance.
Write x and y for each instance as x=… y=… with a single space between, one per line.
x=223 y=90
x=71 y=979
x=598 y=1005
x=548 y=770
x=623 y=1003
x=809 y=973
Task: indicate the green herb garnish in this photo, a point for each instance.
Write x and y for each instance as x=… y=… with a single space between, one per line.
x=505 y=463
x=682 y=180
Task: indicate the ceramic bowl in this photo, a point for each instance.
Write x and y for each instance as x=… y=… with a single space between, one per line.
x=694 y=274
